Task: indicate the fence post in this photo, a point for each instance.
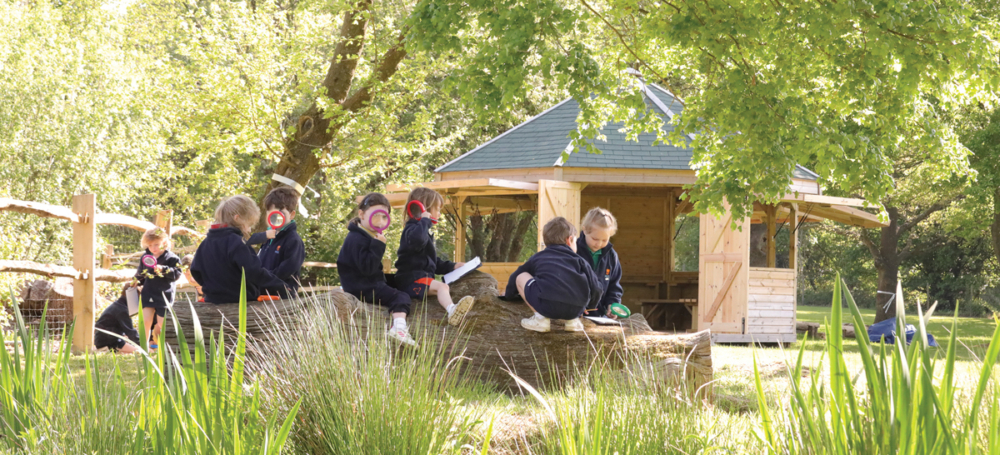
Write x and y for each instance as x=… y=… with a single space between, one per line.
x=84 y=234
x=164 y=220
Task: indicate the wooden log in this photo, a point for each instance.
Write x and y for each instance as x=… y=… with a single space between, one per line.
x=492 y=334
x=810 y=328
x=52 y=271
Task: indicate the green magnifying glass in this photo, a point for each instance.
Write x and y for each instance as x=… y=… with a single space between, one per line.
x=620 y=310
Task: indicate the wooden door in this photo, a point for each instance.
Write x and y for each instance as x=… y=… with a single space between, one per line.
x=557 y=198
x=723 y=273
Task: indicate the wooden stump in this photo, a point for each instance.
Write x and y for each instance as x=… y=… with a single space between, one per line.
x=492 y=334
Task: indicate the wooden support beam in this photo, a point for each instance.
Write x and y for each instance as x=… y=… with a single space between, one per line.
x=164 y=220
x=770 y=211
x=670 y=208
x=84 y=235
x=460 y=210
x=793 y=237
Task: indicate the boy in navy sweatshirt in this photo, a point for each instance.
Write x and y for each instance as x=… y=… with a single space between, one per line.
x=417 y=262
x=360 y=265
x=115 y=319
x=282 y=252
x=556 y=282
x=223 y=258
x=157 y=281
x=594 y=246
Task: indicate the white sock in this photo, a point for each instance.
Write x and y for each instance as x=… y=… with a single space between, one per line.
x=539 y=316
x=451 y=309
x=399 y=323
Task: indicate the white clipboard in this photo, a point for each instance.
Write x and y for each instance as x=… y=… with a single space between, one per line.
x=132 y=297
x=452 y=277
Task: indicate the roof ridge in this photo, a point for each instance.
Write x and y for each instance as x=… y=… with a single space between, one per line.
x=445 y=165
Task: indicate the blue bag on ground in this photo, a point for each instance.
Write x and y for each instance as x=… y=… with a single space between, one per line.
x=887 y=329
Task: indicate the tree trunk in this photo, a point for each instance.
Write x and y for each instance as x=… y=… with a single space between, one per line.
x=887 y=265
x=492 y=334
x=517 y=243
x=995 y=226
x=477 y=236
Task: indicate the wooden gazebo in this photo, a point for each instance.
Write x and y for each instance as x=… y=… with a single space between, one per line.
x=641 y=184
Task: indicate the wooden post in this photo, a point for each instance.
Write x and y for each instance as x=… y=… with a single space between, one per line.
x=793 y=235
x=771 y=212
x=203 y=225
x=164 y=220
x=669 y=212
x=84 y=234
x=459 y=255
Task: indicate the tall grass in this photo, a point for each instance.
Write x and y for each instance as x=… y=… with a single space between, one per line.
x=198 y=406
x=903 y=401
x=362 y=393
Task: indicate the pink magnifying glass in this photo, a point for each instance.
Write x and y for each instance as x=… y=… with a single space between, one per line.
x=149 y=260
x=379 y=229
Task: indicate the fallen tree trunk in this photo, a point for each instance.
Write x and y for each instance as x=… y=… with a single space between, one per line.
x=492 y=334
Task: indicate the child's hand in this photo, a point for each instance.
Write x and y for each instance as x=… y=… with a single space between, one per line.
x=426 y=214
x=271 y=233
x=380 y=237
x=458 y=264
x=612 y=315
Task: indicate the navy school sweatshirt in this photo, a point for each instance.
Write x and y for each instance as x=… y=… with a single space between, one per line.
x=360 y=261
x=562 y=276
x=282 y=256
x=417 y=257
x=608 y=271
x=220 y=263
x=158 y=283
x=115 y=319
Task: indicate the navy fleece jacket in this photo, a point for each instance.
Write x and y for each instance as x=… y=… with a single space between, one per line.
x=360 y=261
x=563 y=277
x=608 y=271
x=220 y=263
x=417 y=257
x=282 y=256
x=115 y=319
x=158 y=283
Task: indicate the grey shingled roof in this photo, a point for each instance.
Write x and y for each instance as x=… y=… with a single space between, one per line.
x=540 y=141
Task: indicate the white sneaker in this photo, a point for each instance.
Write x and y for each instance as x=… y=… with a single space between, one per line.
x=574 y=325
x=461 y=308
x=401 y=335
x=537 y=323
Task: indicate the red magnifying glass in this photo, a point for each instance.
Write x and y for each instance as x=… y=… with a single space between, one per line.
x=388 y=220
x=416 y=216
x=149 y=260
x=276 y=219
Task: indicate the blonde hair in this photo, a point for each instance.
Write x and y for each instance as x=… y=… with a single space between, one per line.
x=428 y=197
x=154 y=235
x=241 y=206
x=599 y=218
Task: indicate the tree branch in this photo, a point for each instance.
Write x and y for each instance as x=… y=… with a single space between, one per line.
x=935 y=207
x=340 y=75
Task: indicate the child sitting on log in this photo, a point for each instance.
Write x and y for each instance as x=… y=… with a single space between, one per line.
x=115 y=319
x=556 y=282
x=594 y=246
x=282 y=252
x=417 y=262
x=360 y=265
x=157 y=281
x=223 y=259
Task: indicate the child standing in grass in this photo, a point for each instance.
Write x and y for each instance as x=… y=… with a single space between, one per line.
x=282 y=252
x=224 y=258
x=157 y=281
x=417 y=262
x=556 y=282
x=360 y=265
x=594 y=246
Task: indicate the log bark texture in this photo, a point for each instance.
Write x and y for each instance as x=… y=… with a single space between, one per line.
x=492 y=333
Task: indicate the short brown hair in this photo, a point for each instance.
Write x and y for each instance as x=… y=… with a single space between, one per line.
x=557 y=230
x=371 y=200
x=240 y=205
x=154 y=235
x=282 y=198
x=428 y=197
x=600 y=218
x=187 y=260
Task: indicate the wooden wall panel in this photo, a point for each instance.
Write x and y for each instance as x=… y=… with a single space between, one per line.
x=771 y=302
x=501 y=271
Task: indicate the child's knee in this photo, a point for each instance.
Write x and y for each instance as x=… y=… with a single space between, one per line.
x=440 y=287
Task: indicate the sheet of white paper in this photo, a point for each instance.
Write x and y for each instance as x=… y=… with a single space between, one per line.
x=461 y=271
x=602 y=320
x=132 y=297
